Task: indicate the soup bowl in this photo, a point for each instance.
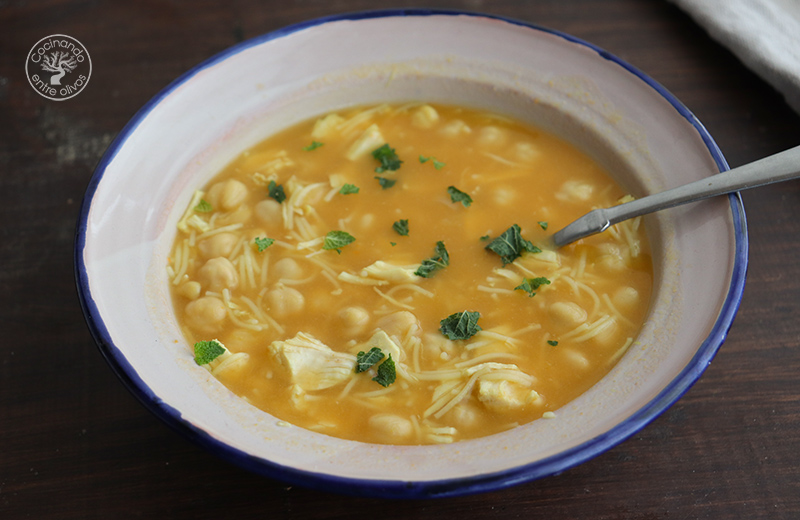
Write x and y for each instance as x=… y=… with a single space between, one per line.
x=181 y=138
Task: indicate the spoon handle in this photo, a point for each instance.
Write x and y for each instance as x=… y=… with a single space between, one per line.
x=780 y=167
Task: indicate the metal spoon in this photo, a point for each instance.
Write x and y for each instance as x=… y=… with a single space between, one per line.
x=780 y=167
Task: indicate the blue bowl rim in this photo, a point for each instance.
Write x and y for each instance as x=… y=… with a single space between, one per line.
x=391 y=488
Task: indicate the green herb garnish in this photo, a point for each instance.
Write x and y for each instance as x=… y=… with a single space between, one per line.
x=401 y=227
x=510 y=245
x=386 y=372
x=439 y=260
x=313 y=146
x=531 y=284
x=336 y=240
x=276 y=191
x=461 y=325
x=552 y=343
x=207 y=351
x=203 y=206
x=457 y=195
x=385 y=183
x=263 y=242
x=543 y=225
x=365 y=360
x=436 y=164
x=348 y=189
x=388 y=159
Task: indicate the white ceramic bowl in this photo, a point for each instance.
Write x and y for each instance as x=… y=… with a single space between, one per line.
x=183 y=136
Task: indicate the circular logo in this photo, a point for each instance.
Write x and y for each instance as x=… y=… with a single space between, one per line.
x=58 y=67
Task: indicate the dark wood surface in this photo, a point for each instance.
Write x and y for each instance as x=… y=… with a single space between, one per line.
x=75 y=444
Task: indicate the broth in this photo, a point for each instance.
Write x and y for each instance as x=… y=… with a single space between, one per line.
x=438 y=264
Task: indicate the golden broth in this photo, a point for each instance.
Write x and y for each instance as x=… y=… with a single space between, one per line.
x=294 y=315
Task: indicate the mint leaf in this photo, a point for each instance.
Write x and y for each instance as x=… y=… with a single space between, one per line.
x=203 y=206
x=510 y=245
x=436 y=164
x=365 y=360
x=385 y=183
x=313 y=146
x=276 y=191
x=531 y=284
x=439 y=260
x=386 y=372
x=263 y=242
x=388 y=159
x=401 y=227
x=461 y=325
x=207 y=351
x=348 y=189
x=337 y=239
x=457 y=195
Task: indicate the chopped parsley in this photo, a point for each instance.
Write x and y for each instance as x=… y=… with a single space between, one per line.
x=348 y=189
x=263 y=242
x=436 y=164
x=457 y=195
x=461 y=325
x=385 y=183
x=543 y=225
x=552 y=343
x=276 y=191
x=401 y=227
x=336 y=240
x=203 y=206
x=207 y=351
x=388 y=159
x=313 y=146
x=531 y=284
x=510 y=245
x=386 y=372
x=439 y=260
x=365 y=360
x=485 y=237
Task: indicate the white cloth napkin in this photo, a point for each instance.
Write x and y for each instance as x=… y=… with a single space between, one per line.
x=764 y=34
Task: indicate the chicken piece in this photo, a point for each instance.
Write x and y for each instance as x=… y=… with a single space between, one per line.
x=311 y=364
x=366 y=143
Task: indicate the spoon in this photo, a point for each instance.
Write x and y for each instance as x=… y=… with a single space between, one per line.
x=780 y=167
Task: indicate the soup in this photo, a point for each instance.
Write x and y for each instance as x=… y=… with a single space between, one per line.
x=384 y=275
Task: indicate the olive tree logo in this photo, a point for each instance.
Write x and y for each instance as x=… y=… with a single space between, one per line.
x=58 y=67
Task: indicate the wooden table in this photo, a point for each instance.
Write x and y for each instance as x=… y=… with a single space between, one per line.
x=75 y=444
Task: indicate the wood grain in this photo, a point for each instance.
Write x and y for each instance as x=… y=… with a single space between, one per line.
x=75 y=444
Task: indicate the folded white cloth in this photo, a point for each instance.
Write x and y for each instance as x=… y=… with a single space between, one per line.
x=764 y=34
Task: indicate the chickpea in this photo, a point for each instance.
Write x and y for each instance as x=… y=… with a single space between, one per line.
x=626 y=297
x=491 y=135
x=355 y=319
x=567 y=315
x=287 y=268
x=425 y=117
x=284 y=301
x=219 y=273
x=239 y=215
x=190 y=290
x=227 y=195
x=221 y=244
x=392 y=426
x=206 y=314
x=269 y=212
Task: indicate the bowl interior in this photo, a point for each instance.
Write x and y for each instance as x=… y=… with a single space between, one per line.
x=197 y=125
